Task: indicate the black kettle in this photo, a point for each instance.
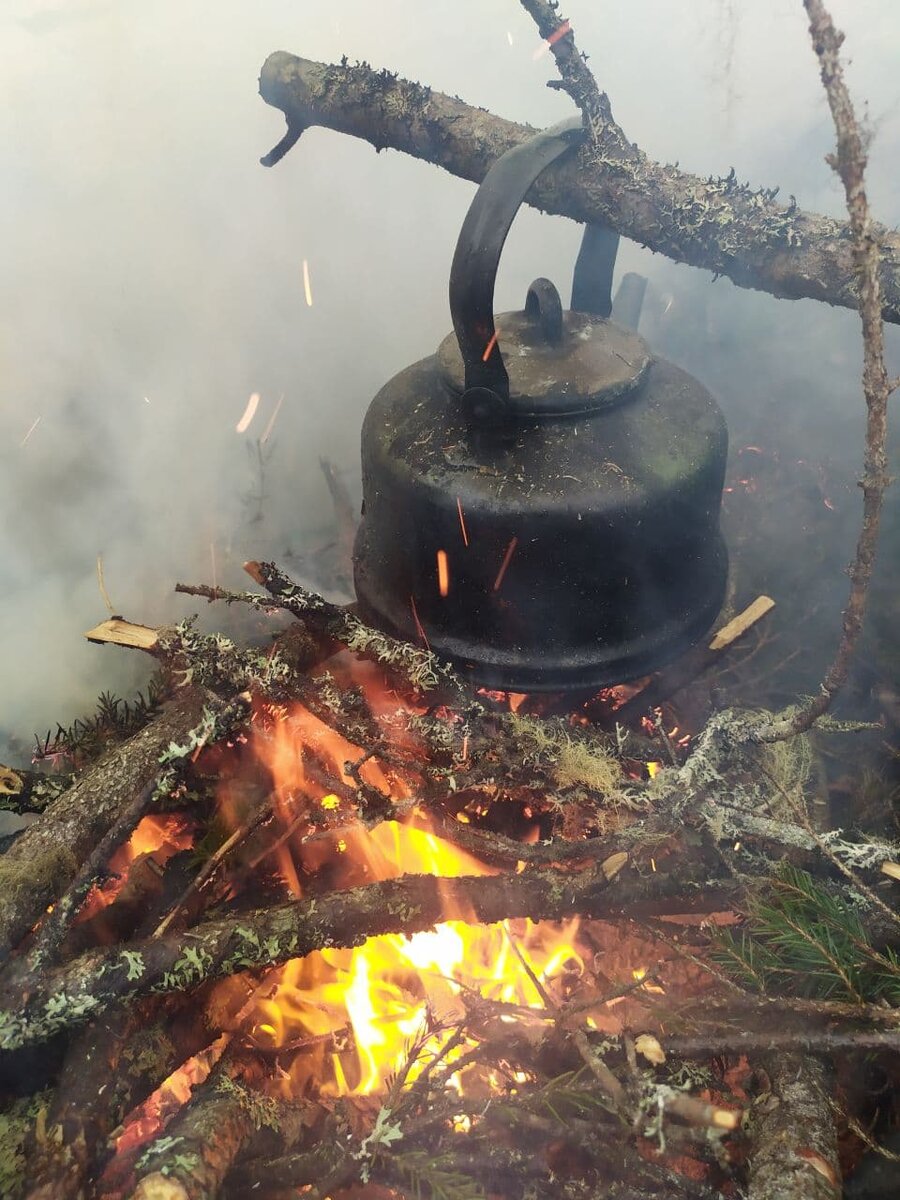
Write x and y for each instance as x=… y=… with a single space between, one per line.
x=541 y=496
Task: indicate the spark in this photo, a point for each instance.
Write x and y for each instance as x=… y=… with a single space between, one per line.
x=307 y=287
x=212 y=559
x=509 y=37
x=34 y=426
x=510 y=550
x=103 y=592
x=249 y=413
x=146 y=399
x=443 y=572
x=489 y=347
x=554 y=37
x=462 y=521
x=421 y=632
x=265 y=436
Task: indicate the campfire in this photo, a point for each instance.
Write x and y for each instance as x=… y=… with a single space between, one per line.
x=364 y=930
x=526 y=872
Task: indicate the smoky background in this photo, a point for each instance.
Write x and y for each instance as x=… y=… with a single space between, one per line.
x=153 y=280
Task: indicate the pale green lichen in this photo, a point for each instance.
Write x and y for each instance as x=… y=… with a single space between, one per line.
x=191 y=968
x=134 y=964
x=16 y=1123
x=264 y=1111
x=422 y=668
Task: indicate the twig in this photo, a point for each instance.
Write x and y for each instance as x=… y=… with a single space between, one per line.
x=850 y=163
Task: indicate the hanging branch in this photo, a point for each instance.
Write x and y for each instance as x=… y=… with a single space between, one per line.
x=717 y=224
x=866 y=247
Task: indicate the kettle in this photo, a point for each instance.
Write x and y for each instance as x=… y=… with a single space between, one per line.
x=541 y=496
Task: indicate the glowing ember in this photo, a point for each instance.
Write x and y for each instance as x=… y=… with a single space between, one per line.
x=489 y=347
x=307 y=287
x=443 y=572
x=249 y=413
x=554 y=37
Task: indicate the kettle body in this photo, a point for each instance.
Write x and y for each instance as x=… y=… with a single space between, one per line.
x=541 y=496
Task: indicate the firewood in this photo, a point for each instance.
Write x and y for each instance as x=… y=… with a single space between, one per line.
x=793 y=1150
x=46 y=858
x=44 y=1003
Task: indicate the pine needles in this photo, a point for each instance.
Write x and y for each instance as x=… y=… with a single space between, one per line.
x=802 y=940
x=112 y=720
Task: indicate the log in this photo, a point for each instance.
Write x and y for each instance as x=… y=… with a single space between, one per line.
x=717 y=224
x=47 y=856
x=44 y=1003
x=793 y=1151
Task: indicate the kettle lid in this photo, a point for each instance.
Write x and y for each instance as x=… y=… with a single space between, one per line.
x=563 y=364
x=551 y=363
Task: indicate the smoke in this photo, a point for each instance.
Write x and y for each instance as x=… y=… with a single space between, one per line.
x=153 y=271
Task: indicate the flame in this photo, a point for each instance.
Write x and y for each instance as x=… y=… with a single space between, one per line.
x=346 y=1019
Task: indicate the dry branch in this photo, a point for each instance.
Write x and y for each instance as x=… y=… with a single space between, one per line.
x=715 y=223
x=865 y=242
x=793 y=1144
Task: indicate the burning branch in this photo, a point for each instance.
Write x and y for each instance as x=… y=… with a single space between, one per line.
x=40 y=1005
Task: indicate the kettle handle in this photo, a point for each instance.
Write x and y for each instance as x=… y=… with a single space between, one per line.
x=477 y=256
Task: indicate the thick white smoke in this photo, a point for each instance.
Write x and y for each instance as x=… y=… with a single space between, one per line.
x=152 y=270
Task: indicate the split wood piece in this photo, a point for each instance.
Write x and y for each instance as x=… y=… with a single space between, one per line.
x=44 y=1003
x=46 y=858
x=719 y=225
x=793 y=1146
x=742 y=622
x=119 y=632
x=693 y=664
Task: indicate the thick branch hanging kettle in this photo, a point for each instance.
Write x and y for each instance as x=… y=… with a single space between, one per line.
x=541 y=497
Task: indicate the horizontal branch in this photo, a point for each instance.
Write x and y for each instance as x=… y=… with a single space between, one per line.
x=715 y=223
x=34 y=1009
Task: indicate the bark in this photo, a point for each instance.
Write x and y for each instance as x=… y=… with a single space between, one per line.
x=48 y=1002
x=111 y=1067
x=192 y=1158
x=717 y=223
x=849 y=164
x=793 y=1152
x=46 y=858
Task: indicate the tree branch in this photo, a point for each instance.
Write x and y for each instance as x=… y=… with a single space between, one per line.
x=35 y=1008
x=717 y=223
x=850 y=164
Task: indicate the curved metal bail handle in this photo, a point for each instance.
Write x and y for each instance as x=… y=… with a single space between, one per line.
x=477 y=256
